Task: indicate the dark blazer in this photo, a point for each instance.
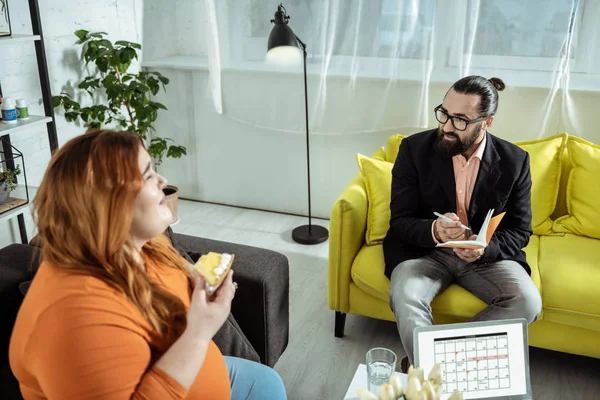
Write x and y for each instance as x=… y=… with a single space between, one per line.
x=423 y=182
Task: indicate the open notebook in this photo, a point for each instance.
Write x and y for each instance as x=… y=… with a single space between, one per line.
x=483 y=237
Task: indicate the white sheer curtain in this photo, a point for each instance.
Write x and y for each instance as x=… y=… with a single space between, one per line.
x=384 y=64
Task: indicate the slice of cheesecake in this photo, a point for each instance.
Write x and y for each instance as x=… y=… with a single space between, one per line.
x=213 y=267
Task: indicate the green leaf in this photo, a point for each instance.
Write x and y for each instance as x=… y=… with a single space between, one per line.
x=127 y=54
x=164 y=80
x=104 y=52
x=152 y=83
x=84 y=50
x=176 y=151
x=81 y=34
x=102 y=64
x=56 y=101
x=109 y=80
x=159 y=105
x=71 y=116
x=125 y=43
x=89 y=83
x=98 y=34
x=106 y=43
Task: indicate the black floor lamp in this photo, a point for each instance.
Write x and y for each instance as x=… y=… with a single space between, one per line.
x=281 y=40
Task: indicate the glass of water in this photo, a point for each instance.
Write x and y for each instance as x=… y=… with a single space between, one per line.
x=381 y=364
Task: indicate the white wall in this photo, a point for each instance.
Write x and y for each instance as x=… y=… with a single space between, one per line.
x=122 y=19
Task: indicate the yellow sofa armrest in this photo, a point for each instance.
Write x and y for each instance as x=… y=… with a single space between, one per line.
x=348 y=224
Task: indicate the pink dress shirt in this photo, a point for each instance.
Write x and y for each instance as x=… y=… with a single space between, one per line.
x=465 y=176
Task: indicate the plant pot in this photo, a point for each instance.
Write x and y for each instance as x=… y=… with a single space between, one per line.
x=4 y=192
x=172 y=195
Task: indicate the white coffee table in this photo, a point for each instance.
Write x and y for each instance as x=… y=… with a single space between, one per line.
x=360 y=381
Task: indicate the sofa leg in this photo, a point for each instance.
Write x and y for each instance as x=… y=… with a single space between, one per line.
x=340 y=321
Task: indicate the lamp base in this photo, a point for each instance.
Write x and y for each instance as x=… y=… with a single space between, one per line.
x=315 y=235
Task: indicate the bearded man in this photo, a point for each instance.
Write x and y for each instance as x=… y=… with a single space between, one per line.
x=462 y=171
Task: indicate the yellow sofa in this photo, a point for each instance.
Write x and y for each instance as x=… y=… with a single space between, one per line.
x=563 y=252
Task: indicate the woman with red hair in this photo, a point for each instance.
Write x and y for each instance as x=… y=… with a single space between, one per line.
x=112 y=312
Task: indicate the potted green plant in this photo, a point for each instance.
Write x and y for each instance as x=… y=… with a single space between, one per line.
x=121 y=98
x=8 y=183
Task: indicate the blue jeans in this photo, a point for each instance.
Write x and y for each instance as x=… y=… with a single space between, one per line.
x=253 y=381
x=504 y=285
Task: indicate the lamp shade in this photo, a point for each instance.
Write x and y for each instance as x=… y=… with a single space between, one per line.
x=281 y=35
x=282 y=48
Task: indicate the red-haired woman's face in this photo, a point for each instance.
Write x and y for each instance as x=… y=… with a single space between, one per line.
x=151 y=216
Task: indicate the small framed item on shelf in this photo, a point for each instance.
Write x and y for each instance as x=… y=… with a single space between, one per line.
x=14 y=193
x=5 y=28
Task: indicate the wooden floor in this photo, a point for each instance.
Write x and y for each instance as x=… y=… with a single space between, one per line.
x=318 y=366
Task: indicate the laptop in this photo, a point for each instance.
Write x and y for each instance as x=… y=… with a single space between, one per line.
x=484 y=360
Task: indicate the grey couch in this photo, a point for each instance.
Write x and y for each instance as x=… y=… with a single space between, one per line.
x=257 y=329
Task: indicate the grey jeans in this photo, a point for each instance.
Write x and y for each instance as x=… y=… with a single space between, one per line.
x=504 y=285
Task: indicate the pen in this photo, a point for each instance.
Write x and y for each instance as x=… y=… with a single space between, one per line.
x=437 y=214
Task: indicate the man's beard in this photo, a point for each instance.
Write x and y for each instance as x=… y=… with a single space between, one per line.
x=458 y=146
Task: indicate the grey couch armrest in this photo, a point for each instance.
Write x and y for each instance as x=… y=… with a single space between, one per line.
x=261 y=303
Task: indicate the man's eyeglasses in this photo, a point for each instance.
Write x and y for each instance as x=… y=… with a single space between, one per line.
x=460 y=124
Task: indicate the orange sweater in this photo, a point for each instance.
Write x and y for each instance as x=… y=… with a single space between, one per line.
x=77 y=338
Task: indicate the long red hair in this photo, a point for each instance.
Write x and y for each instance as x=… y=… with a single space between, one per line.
x=84 y=210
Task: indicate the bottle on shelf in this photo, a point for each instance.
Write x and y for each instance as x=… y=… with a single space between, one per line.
x=22 y=110
x=9 y=111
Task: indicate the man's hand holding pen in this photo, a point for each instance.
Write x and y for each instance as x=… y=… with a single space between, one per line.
x=448 y=227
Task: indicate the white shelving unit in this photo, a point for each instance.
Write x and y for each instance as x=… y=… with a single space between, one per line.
x=20 y=193
x=23 y=194
x=34 y=120
x=18 y=38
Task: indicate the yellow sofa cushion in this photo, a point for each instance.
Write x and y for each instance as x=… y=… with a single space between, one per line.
x=392 y=146
x=571 y=278
x=379 y=154
x=368 y=274
x=583 y=190
x=378 y=182
x=546 y=157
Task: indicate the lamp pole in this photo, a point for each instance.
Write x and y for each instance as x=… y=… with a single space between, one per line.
x=307 y=134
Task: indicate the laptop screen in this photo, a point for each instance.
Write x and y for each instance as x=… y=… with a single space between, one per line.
x=484 y=360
